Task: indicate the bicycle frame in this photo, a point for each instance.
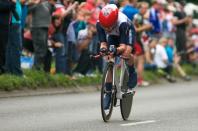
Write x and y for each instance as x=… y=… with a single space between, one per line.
x=119 y=85
x=116 y=86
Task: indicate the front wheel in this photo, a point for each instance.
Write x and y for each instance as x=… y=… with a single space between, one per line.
x=107 y=78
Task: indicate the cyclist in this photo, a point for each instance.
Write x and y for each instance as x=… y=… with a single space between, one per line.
x=114 y=28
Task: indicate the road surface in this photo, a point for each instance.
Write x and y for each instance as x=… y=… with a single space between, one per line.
x=169 y=107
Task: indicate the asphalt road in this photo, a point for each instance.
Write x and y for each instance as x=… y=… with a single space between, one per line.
x=170 y=107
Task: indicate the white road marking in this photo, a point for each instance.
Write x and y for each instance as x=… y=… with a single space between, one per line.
x=138 y=123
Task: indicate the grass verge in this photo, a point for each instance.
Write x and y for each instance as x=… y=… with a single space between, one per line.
x=35 y=79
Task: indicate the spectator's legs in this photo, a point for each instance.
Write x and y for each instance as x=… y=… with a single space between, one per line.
x=67 y=69
x=40 y=38
x=150 y=67
x=60 y=58
x=47 y=61
x=181 y=43
x=180 y=70
x=3 y=42
x=13 y=51
x=140 y=69
x=168 y=73
x=69 y=58
x=84 y=63
x=75 y=54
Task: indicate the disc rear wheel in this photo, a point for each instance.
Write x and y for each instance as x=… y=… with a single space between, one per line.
x=127 y=100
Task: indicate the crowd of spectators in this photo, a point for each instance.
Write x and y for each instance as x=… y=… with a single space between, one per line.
x=63 y=32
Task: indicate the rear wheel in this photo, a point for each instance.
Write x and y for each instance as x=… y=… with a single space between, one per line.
x=127 y=100
x=126 y=105
x=107 y=78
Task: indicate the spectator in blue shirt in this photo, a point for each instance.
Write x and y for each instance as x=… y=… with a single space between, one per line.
x=155 y=20
x=174 y=59
x=13 y=50
x=129 y=9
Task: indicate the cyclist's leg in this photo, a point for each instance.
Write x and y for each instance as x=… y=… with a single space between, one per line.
x=108 y=87
x=107 y=98
x=131 y=68
x=132 y=74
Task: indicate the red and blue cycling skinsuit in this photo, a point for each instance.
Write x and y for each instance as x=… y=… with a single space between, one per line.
x=123 y=32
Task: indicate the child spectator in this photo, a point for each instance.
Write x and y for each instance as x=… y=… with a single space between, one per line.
x=174 y=59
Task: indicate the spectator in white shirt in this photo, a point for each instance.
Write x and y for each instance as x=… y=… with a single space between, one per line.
x=160 y=58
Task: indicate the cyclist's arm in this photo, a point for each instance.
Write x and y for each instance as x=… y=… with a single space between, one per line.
x=101 y=35
x=125 y=36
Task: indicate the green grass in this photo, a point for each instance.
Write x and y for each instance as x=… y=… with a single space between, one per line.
x=152 y=76
x=36 y=79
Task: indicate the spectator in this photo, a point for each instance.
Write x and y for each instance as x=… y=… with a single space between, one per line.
x=161 y=59
x=181 y=21
x=6 y=8
x=40 y=25
x=174 y=59
x=13 y=51
x=68 y=17
x=92 y=9
x=129 y=9
x=59 y=47
x=149 y=63
x=167 y=24
x=72 y=34
x=23 y=17
x=141 y=25
x=27 y=43
x=155 y=20
x=85 y=38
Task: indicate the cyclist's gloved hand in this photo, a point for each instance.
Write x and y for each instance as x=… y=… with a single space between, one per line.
x=103 y=48
x=127 y=52
x=103 y=51
x=121 y=49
